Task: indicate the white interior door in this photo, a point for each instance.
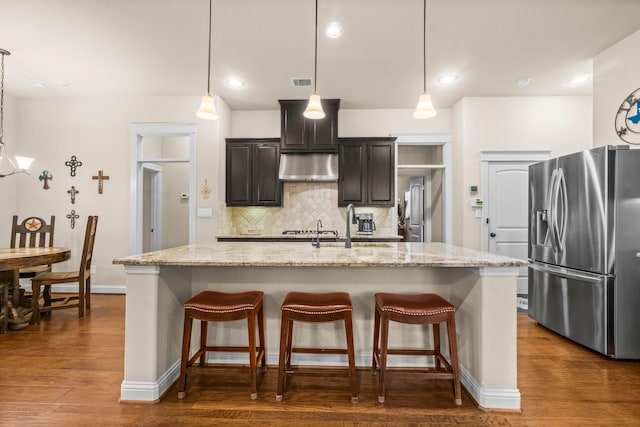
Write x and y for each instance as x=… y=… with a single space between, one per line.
x=507 y=217
x=416 y=210
x=151 y=212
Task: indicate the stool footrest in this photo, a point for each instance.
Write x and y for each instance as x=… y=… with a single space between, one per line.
x=260 y=353
x=319 y=350
x=412 y=352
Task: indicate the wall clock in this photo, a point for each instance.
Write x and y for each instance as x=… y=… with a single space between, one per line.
x=628 y=119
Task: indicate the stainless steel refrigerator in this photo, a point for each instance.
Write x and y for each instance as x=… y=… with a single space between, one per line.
x=584 y=248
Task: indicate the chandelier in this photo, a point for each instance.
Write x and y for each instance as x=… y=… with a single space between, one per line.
x=7 y=165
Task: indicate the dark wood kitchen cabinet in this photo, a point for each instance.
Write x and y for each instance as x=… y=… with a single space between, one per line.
x=299 y=134
x=367 y=171
x=252 y=172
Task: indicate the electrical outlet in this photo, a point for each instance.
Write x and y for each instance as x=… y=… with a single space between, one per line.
x=93 y=269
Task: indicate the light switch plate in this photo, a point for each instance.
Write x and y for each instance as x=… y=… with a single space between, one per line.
x=205 y=212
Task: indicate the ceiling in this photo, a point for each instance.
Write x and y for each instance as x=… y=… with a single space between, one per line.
x=159 y=47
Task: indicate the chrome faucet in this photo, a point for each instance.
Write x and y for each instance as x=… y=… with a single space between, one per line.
x=347 y=238
x=316 y=243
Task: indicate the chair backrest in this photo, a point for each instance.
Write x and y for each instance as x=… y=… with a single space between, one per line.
x=87 y=248
x=33 y=232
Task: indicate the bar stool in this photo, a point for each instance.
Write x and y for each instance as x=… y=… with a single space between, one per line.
x=421 y=309
x=315 y=307
x=212 y=306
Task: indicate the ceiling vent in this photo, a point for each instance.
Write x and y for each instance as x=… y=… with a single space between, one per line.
x=301 y=82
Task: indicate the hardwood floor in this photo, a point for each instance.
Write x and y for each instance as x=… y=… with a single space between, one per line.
x=67 y=372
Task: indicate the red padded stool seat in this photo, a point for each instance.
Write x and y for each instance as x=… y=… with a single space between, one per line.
x=212 y=306
x=421 y=309
x=315 y=307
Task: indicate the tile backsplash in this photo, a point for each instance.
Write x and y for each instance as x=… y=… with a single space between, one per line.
x=303 y=204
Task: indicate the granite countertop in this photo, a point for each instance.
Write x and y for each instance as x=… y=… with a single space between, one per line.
x=330 y=254
x=307 y=237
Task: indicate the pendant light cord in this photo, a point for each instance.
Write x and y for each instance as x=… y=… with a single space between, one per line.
x=424 y=45
x=209 y=62
x=2 y=99
x=315 y=60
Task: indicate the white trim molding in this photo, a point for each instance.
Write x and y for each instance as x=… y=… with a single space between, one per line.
x=144 y=391
x=485 y=397
x=514 y=156
x=490 y=398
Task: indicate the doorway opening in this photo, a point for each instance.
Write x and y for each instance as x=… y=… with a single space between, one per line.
x=423 y=185
x=505 y=219
x=162 y=183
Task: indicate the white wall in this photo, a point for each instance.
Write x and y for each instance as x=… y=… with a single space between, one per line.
x=9 y=185
x=351 y=123
x=615 y=76
x=560 y=124
x=97 y=131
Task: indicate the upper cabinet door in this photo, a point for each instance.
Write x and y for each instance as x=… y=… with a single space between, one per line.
x=299 y=134
x=352 y=182
x=367 y=171
x=267 y=188
x=252 y=172
x=381 y=173
x=238 y=168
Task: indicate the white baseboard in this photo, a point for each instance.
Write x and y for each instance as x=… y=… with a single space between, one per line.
x=485 y=397
x=95 y=289
x=144 y=391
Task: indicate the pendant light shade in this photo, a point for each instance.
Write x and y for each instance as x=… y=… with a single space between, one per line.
x=425 y=109
x=207 y=108
x=314 y=109
x=7 y=165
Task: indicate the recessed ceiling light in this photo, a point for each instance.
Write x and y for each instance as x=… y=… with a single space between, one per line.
x=38 y=83
x=234 y=83
x=63 y=83
x=447 y=79
x=334 y=30
x=578 y=80
x=523 y=81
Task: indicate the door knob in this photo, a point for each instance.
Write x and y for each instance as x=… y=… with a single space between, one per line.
x=492 y=234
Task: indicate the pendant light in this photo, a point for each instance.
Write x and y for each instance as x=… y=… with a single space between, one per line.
x=7 y=165
x=207 y=108
x=425 y=109
x=314 y=108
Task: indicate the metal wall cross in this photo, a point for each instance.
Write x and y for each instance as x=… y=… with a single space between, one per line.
x=73 y=164
x=72 y=192
x=72 y=217
x=46 y=177
x=100 y=177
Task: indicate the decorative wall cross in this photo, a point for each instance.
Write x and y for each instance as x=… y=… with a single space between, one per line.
x=72 y=192
x=100 y=177
x=72 y=217
x=46 y=177
x=205 y=189
x=73 y=164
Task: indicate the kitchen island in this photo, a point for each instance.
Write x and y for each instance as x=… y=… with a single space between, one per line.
x=481 y=285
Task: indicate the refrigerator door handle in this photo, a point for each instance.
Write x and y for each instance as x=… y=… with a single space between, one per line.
x=561 y=223
x=551 y=234
x=566 y=273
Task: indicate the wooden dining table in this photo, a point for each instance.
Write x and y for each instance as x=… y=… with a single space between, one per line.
x=11 y=261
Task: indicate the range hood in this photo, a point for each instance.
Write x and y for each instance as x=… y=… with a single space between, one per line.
x=309 y=167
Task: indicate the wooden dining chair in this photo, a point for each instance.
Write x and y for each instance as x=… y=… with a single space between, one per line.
x=32 y=232
x=82 y=276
